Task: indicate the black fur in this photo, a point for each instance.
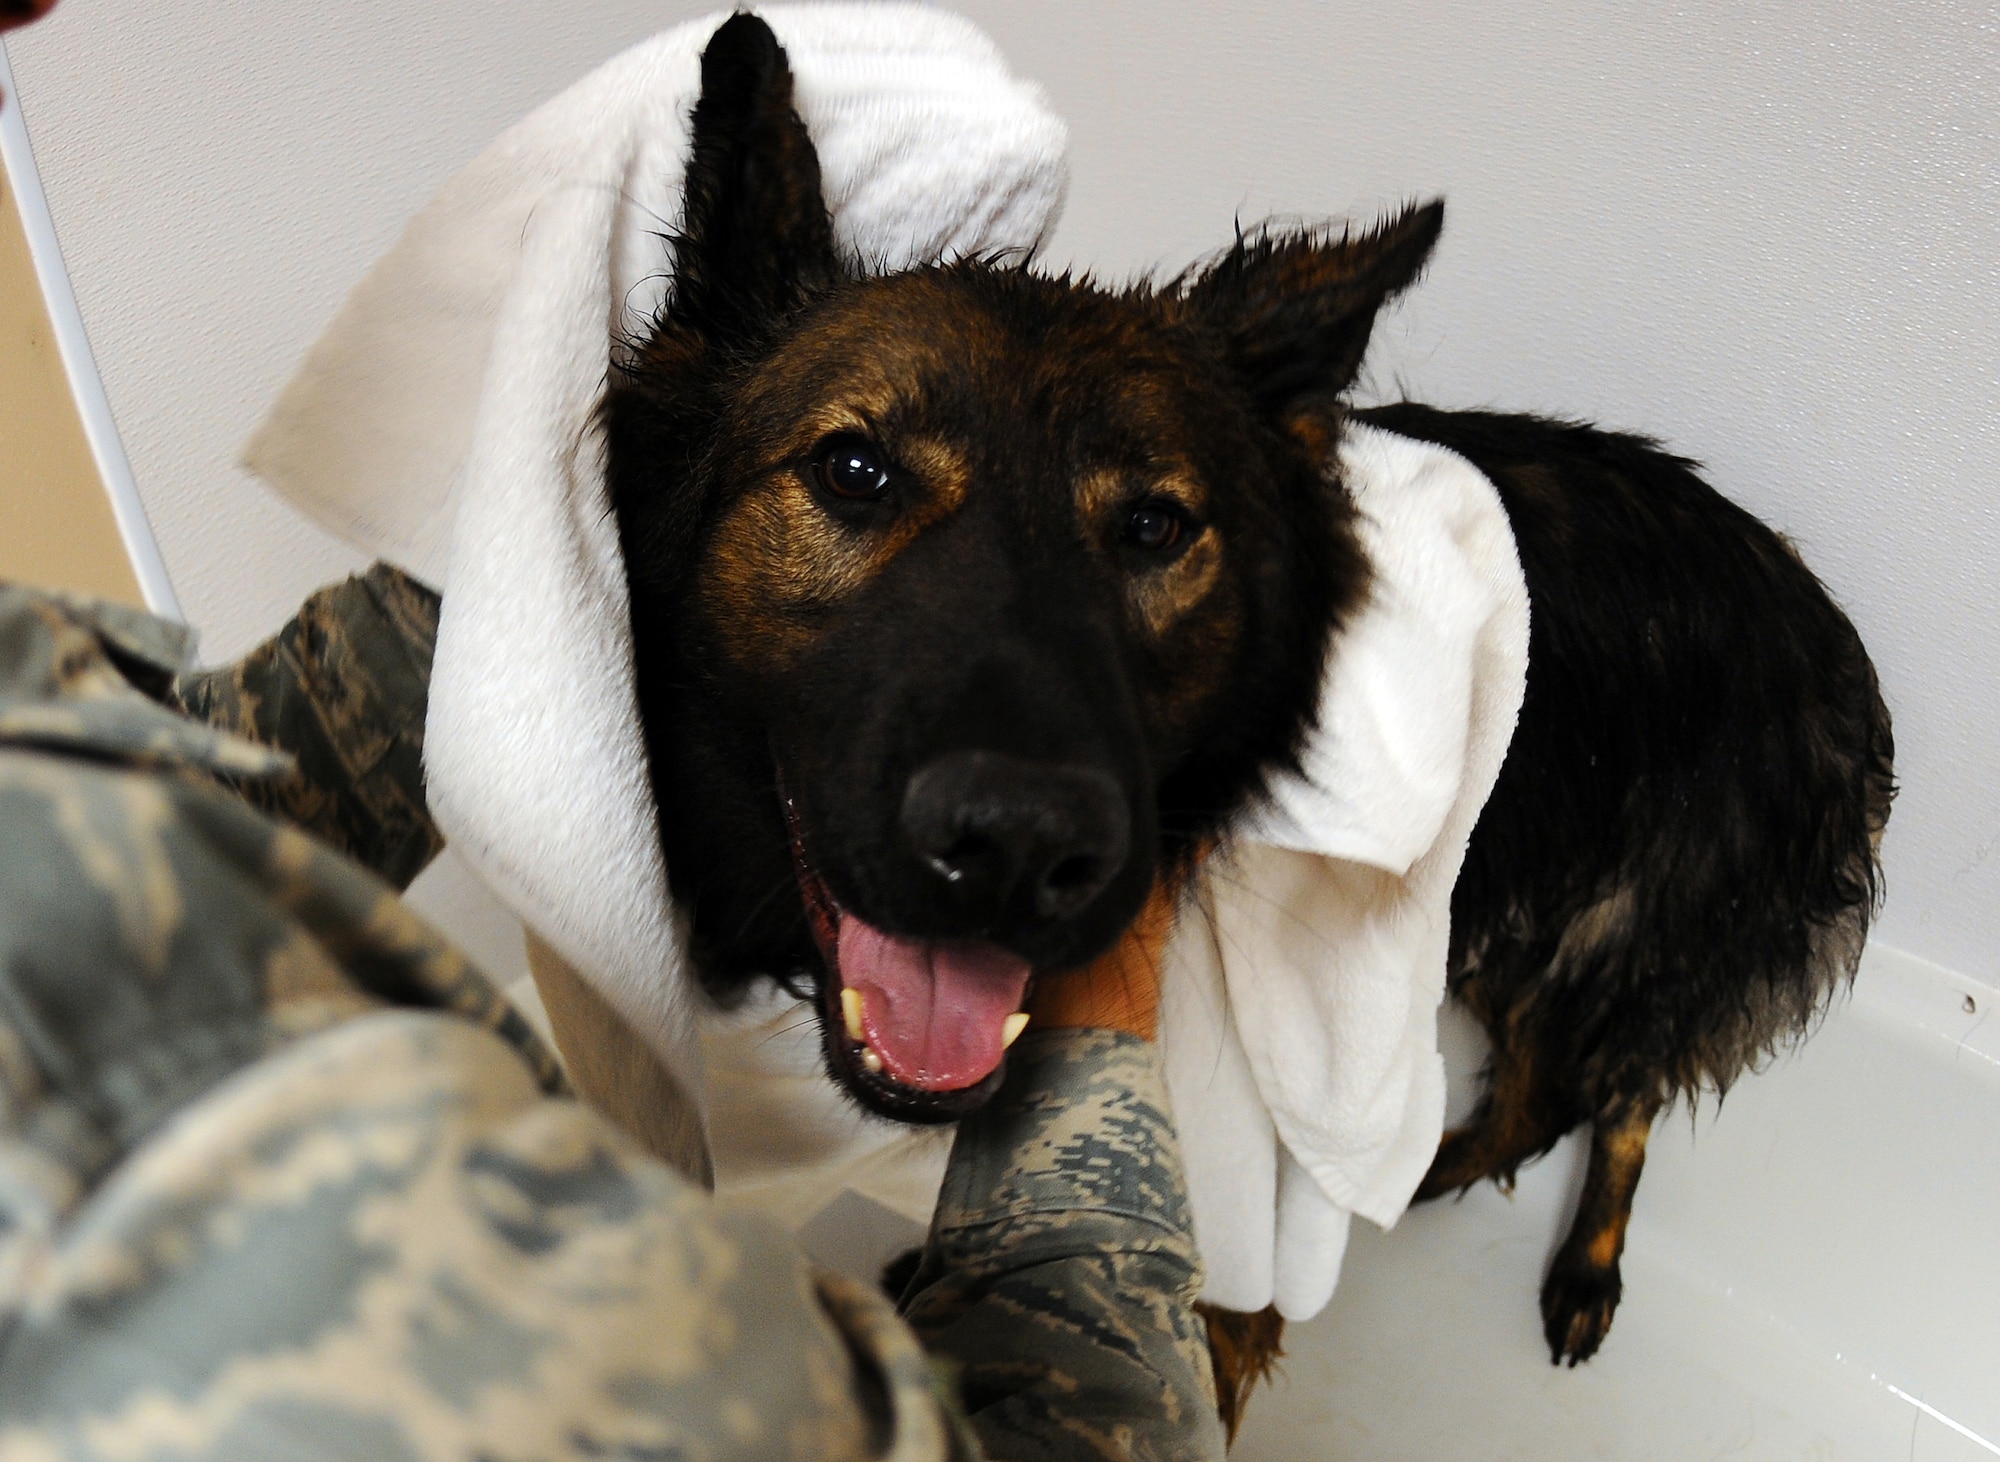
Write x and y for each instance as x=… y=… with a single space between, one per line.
x=1677 y=867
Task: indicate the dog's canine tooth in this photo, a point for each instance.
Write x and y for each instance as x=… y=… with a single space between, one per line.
x=869 y=1059
x=852 y=1003
x=1011 y=1031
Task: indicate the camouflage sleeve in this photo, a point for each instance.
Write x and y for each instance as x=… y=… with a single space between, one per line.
x=282 y=1176
x=343 y=689
x=1061 y=1273
x=383 y=1243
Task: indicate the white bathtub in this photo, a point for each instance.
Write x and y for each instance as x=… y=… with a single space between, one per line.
x=1812 y=1273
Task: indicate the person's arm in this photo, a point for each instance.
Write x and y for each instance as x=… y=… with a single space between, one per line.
x=285 y=1177
x=343 y=688
x=291 y=1179
x=1061 y=1272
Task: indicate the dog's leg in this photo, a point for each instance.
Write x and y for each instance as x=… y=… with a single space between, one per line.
x=1583 y=1285
x=1243 y=1348
x=1521 y=1117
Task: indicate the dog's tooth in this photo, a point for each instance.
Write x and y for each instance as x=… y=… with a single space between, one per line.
x=1010 y=1032
x=852 y=1003
x=869 y=1059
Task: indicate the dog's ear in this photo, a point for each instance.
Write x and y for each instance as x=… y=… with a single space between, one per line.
x=755 y=239
x=1295 y=310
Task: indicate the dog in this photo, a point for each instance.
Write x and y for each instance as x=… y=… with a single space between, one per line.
x=967 y=602
x=1677 y=867
x=1675 y=872
x=970 y=604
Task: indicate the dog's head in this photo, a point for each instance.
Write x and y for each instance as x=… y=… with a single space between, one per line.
x=966 y=600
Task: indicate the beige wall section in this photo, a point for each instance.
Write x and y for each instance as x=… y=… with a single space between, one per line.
x=56 y=527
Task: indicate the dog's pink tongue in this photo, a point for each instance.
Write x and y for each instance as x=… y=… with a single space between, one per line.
x=935 y=1013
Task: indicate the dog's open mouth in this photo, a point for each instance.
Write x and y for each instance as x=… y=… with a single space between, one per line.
x=919 y=1029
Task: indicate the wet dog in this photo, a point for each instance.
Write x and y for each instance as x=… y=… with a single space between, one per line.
x=969 y=603
x=1676 y=869
x=966 y=601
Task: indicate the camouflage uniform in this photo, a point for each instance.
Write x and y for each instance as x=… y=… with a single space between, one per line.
x=282 y=1175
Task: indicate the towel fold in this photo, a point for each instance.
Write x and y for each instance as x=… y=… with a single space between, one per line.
x=1300 y=1025
x=446 y=422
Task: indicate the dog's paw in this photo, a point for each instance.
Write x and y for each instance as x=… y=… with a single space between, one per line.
x=1578 y=1301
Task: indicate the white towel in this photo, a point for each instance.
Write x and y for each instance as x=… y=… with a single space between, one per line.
x=1299 y=1024
x=444 y=422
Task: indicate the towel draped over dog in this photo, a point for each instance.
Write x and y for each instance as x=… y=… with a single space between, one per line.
x=446 y=421
x=1299 y=1010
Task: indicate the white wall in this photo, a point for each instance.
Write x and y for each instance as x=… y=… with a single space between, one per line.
x=1767 y=232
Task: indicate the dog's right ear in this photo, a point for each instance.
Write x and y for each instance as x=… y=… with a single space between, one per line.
x=754 y=244
x=755 y=240
x=1295 y=308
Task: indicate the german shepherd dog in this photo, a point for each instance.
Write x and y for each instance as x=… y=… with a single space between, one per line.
x=970 y=604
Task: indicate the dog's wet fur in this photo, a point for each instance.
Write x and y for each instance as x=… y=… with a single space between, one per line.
x=972 y=601
x=1677 y=867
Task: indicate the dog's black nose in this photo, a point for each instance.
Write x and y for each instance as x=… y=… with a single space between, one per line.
x=1018 y=837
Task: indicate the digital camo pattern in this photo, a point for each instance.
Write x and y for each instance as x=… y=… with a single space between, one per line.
x=248 y=1207
x=1061 y=1271
x=381 y=1244
x=75 y=675
x=157 y=935
x=254 y=1204
x=343 y=688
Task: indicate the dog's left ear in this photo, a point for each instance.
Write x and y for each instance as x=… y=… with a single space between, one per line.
x=756 y=239
x=1295 y=310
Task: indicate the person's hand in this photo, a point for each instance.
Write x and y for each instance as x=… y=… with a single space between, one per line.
x=1120 y=990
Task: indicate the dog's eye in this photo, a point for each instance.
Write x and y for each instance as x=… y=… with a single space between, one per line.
x=1155 y=526
x=848 y=467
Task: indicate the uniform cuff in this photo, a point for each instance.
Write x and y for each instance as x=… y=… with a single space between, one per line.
x=1080 y=1137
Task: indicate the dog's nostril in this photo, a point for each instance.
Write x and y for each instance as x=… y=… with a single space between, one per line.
x=1070 y=884
x=1072 y=874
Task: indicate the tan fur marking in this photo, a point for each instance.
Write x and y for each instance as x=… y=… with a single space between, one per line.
x=1596 y=930
x=1621 y=1153
x=849 y=414
x=1606 y=1245
x=1316 y=431
x=1168 y=595
x=1243 y=1349
x=776 y=558
x=943 y=479
x=1164 y=596
x=779 y=558
x=1120 y=989
x=1099 y=494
